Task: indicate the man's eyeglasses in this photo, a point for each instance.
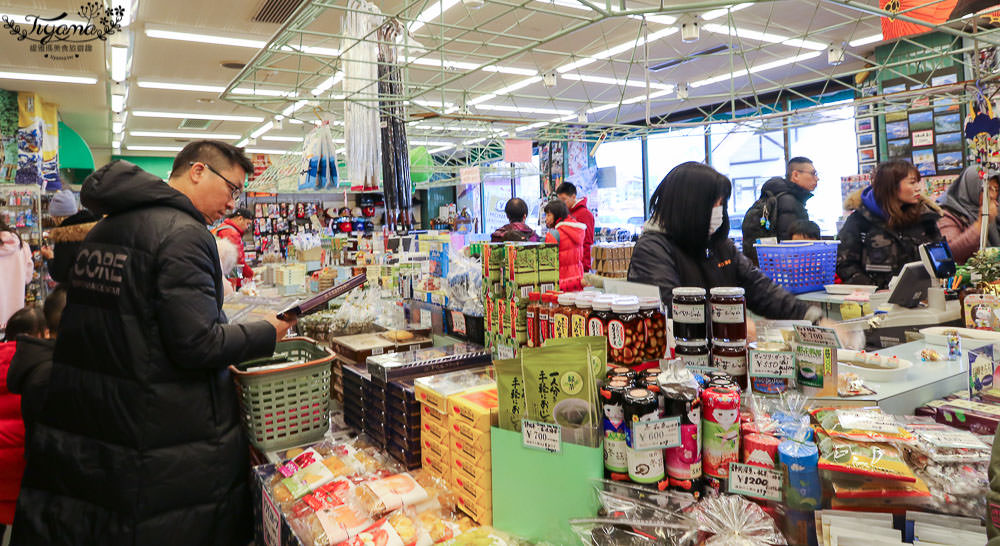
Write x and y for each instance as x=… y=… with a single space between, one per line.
x=812 y=172
x=236 y=189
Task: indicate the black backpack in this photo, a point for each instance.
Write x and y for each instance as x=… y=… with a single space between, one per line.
x=760 y=222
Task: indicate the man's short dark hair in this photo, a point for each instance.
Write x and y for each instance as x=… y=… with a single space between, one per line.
x=27 y=320
x=795 y=164
x=566 y=188
x=805 y=227
x=242 y=213
x=218 y=154
x=558 y=209
x=516 y=210
x=55 y=302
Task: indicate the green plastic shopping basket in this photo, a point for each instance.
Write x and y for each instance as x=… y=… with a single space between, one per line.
x=286 y=406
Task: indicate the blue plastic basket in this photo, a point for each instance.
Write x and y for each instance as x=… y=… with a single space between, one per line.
x=800 y=266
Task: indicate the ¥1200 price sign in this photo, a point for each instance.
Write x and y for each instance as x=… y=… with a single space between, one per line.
x=659 y=434
x=755 y=481
x=544 y=436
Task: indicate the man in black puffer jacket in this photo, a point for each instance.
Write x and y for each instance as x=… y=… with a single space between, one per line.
x=789 y=196
x=139 y=441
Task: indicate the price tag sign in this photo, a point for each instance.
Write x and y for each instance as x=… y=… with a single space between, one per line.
x=772 y=363
x=458 y=322
x=470 y=175
x=755 y=481
x=703 y=370
x=543 y=436
x=659 y=434
x=817 y=335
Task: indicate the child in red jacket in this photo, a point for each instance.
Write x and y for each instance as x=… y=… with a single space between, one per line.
x=30 y=321
x=569 y=235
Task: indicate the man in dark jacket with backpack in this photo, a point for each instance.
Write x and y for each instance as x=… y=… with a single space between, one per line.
x=139 y=440
x=781 y=204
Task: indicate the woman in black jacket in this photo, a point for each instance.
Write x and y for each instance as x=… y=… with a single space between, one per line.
x=686 y=243
x=884 y=233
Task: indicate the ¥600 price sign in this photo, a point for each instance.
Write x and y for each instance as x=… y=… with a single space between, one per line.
x=755 y=481
x=659 y=434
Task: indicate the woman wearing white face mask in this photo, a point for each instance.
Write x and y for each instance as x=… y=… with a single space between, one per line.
x=686 y=243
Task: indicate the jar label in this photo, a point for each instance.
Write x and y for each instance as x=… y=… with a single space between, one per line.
x=693 y=360
x=532 y=330
x=614 y=452
x=616 y=334
x=733 y=365
x=578 y=326
x=595 y=327
x=728 y=313
x=645 y=466
x=560 y=325
x=687 y=313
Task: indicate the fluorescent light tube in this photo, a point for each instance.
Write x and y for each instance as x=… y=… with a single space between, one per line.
x=763 y=37
x=153 y=32
x=438 y=8
x=756 y=69
x=291 y=109
x=117 y=126
x=620 y=48
x=154 y=148
x=116 y=144
x=722 y=12
x=616 y=81
x=182 y=115
x=47 y=78
x=441 y=149
x=510 y=70
x=866 y=40
x=269 y=151
x=117 y=103
x=170 y=134
x=119 y=63
x=523 y=109
x=276 y=138
x=242 y=143
x=262 y=129
x=328 y=83
x=181 y=86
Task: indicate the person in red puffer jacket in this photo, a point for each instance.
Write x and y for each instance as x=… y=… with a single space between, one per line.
x=569 y=235
x=232 y=230
x=566 y=192
x=29 y=321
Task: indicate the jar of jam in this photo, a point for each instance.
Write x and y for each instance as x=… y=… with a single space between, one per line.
x=625 y=332
x=544 y=309
x=532 y=317
x=597 y=324
x=731 y=357
x=729 y=313
x=692 y=352
x=654 y=324
x=562 y=315
x=621 y=372
x=578 y=322
x=687 y=309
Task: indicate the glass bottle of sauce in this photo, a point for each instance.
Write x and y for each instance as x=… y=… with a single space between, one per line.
x=544 y=309
x=729 y=311
x=578 y=322
x=687 y=309
x=534 y=339
x=562 y=315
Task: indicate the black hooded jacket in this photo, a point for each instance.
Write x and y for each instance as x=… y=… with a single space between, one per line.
x=791 y=205
x=28 y=375
x=659 y=261
x=139 y=441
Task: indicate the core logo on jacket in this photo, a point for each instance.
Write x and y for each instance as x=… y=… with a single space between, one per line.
x=99 y=270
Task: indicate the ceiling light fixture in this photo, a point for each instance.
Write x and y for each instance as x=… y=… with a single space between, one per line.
x=47 y=78
x=269 y=151
x=153 y=148
x=439 y=7
x=182 y=115
x=510 y=70
x=616 y=81
x=278 y=138
x=294 y=108
x=763 y=37
x=258 y=92
x=441 y=149
x=516 y=86
x=755 y=69
x=242 y=143
x=620 y=48
x=171 y=134
x=156 y=32
x=116 y=144
x=117 y=103
x=212 y=89
x=117 y=126
x=328 y=83
x=262 y=129
x=119 y=63
x=523 y=109
x=722 y=12
x=429 y=143
x=866 y=40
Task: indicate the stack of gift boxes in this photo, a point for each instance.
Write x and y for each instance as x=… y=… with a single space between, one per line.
x=611 y=260
x=457 y=411
x=510 y=272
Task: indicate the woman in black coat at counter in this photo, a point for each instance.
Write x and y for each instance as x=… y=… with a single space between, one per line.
x=686 y=243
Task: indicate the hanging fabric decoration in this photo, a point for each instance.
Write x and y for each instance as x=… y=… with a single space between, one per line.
x=361 y=119
x=395 y=155
x=981 y=130
x=319 y=162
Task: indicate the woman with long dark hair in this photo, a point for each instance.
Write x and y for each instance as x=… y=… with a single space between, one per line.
x=886 y=230
x=686 y=243
x=16 y=269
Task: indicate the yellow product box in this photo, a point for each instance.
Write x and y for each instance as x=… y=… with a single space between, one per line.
x=437 y=467
x=431 y=415
x=461 y=480
x=430 y=398
x=473 y=470
x=469 y=440
x=430 y=445
x=476 y=407
x=472 y=493
x=437 y=432
x=483 y=515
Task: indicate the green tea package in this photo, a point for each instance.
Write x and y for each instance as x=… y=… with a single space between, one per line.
x=598 y=350
x=510 y=393
x=559 y=388
x=548 y=266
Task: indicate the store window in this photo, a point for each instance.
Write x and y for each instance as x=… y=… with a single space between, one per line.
x=667 y=150
x=748 y=153
x=469 y=196
x=527 y=186
x=829 y=139
x=496 y=192
x=619 y=185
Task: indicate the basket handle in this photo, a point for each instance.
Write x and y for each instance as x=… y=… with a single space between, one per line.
x=330 y=355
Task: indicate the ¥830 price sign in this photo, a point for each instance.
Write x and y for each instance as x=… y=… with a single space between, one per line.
x=755 y=481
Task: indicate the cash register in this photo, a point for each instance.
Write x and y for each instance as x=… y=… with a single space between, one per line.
x=903 y=309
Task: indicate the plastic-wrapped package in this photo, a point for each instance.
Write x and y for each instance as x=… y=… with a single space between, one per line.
x=953 y=463
x=624 y=532
x=627 y=513
x=862 y=458
x=861 y=425
x=485 y=536
x=669 y=500
x=387 y=494
x=731 y=520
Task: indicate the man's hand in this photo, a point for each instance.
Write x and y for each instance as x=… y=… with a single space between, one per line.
x=281 y=326
x=46 y=252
